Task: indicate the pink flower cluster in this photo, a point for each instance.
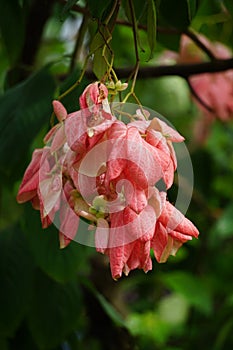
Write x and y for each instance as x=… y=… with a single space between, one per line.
x=215 y=89
x=94 y=166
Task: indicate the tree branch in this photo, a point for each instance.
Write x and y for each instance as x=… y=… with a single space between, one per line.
x=182 y=70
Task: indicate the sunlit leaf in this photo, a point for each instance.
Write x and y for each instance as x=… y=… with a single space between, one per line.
x=173 y=309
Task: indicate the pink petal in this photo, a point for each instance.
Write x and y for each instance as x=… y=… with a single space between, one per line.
x=118 y=257
x=69 y=224
x=29 y=185
x=161 y=243
x=140 y=257
x=59 y=139
x=59 y=110
x=174 y=220
x=170 y=133
x=48 y=137
x=127 y=226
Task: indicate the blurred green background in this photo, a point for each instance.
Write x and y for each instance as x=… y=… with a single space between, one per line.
x=66 y=299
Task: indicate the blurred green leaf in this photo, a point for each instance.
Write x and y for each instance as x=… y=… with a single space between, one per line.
x=223 y=227
x=97 y=8
x=110 y=310
x=16 y=268
x=24 y=110
x=178 y=13
x=192 y=8
x=12 y=26
x=3 y=344
x=113 y=314
x=54 y=312
x=139 y=9
x=71 y=101
x=67 y=7
x=60 y=264
x=149 y=326
x=209 y=13
x=229 y=6
x=173 y=309
x=151 y=25
x=209 y=7
x=192 y=288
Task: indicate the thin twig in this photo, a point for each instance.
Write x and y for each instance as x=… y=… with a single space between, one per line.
x=67 y=92
x=137 y=65
x=199 y=43
x=198 y=98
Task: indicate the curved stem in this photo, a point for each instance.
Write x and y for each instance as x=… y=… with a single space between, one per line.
x=200 y=44
x=198 y=98
x=137 y=65
x=111 y=12
x=78 y=81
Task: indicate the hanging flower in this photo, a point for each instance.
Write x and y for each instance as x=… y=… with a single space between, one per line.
x=96 y=167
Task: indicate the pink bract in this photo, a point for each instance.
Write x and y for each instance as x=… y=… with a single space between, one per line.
x=96 y=167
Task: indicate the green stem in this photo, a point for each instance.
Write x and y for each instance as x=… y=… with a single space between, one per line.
x=67 y=92
x=111 y=12
x=137 y=65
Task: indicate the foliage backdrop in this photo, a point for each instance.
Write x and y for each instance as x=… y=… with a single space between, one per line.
x=65 y=299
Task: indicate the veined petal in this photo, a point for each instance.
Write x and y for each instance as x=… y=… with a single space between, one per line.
x=29 y=185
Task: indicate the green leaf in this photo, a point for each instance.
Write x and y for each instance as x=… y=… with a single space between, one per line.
x=16 y=270
x=97 y=8
x=151 y=25
x=67 y=7
x=192 y=288
x=192 y=8
x=110 y=310
x=229 y=6
x=24 y=110
x=3 y=344
x=97 y=47
x=71 y=101
x=139 y=9
x=223 y=228
x=113 y=314
x=55 y=311
x=177 y=13
x=173 y=309
x=60 y=264
x=12 y=27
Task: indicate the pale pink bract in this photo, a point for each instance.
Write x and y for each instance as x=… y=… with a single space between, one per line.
x=96 y=167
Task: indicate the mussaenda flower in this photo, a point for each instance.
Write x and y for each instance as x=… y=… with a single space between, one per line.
x=95 y=167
